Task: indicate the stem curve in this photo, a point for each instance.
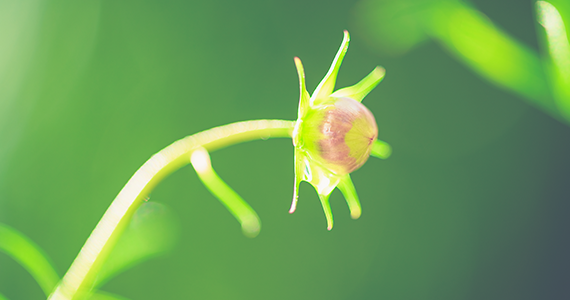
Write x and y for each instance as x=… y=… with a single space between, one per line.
x=82 y=273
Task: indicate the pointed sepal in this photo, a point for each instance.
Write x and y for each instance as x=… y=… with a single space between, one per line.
x=324 y=183
x=349 y=192
x=327 y=209
x=326 y=86
x=362 y=88
x=299 y=173
x=381 y=149
x=323 y=180
x=305 y=97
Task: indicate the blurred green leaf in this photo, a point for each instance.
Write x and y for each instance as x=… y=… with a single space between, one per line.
x=152 y=232
x=469 y=35
x=30 y=256
x=492 y=53
x=105 y=296
x=393 y=27
x=2 y=297
x=559 y=52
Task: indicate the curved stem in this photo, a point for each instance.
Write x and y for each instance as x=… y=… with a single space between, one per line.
x=80 y=277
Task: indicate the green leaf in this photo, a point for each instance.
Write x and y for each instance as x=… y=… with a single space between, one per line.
x=362 y=88
x=105 y=296
x=2 y=297
x=153 y=231
x=392 y=27
x=326 y=86
x=246 y=216
x=381 y=149
x=491 y=52
x=30 y=256
x=559 y=49
x=346 y=186
x=467 y=34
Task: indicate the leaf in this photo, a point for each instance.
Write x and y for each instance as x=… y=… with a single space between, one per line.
x=559 y=49
x=30 y=256
x=153 y=231
x=468 y=34
x=105 y=296
x=491 y=52
x=392 y=27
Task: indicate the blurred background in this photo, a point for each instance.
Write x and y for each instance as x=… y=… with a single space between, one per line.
x=473 y=203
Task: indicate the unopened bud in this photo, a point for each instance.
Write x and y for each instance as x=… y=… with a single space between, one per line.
x=338 y=134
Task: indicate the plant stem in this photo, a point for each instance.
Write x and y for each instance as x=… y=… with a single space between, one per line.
x=81 y=275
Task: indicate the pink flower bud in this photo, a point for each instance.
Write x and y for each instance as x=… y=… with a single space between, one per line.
x=338 y=134
x=334 y=135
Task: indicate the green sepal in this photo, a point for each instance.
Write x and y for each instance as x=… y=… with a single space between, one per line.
x=319 y=177
x=305 y=97
x=299 y=173
x=363 y=87
x=324 y=183
x=327 y=209
x=326 y=86
x=381 y=149
x=323 y=180
x=349 y=192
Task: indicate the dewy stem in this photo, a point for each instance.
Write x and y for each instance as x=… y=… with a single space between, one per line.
x=81 y=275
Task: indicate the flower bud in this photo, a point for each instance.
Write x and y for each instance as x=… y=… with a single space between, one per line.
x=334 y=135
x=338 y=134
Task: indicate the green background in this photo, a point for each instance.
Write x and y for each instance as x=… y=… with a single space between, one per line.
x=473 y=204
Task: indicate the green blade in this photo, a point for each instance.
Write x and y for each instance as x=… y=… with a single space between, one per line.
x=105 y=296
x=381 y=149
x=2 y=297
x=305 y=97
x=246 y=216
x=559 y=49
x=362 y=88
x=349 y=192
x=491 y=52
x=30 y=256
x=326 y=86
x=152 y=232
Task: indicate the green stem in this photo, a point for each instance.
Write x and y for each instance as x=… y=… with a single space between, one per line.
x=81 y=275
